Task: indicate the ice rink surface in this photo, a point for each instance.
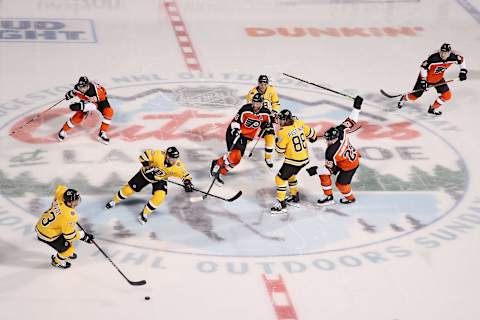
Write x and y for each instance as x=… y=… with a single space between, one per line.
x=176 y=72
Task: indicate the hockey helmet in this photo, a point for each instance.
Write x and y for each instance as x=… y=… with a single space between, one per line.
x=263 y=79
x=257 y=97
x=71 y=195
x=331 y=134
x=285 y=115
x=172 y=152
x=446 y=47
x=83 y=81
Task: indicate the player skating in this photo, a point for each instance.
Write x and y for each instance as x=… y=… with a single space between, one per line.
x=272 y=103
x=341 y=159
x=291 y=141
x=431 y=74
x=56 y=226
x=91 y=96
x=249 y=119
x=157 y=167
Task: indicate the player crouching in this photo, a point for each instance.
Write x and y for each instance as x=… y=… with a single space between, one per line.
x=157 y=167
x=90 y=96
x=291 y=141
x=243 y=128
x=340 y=158
x=56 y=226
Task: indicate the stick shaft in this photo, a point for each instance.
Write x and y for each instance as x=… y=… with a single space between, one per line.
x=319 y=86
x=108 y=258
x=35 y=118
x=414 y=91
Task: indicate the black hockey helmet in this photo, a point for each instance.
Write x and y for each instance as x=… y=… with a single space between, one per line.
x=71 y=195
x=83 y=81
x=331 y=134
x=263 y=79
x=257 y=97
x=172 y=152
x=446 y=47
x=285 y=115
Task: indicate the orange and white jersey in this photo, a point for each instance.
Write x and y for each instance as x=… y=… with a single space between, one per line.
x=250 y=121
x=95 y=93
x=342 y=155
x=434 y=67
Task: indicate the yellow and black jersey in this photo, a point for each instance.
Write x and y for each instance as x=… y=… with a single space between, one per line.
x=59 y=219
x=156 y=158
x=271 y=101
x=292 y=142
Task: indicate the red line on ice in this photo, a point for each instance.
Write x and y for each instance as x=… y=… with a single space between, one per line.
x=183 y=38
x=281 y=302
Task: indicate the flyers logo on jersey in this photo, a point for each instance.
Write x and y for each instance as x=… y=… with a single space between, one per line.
x=440 y=69
x=252 y=123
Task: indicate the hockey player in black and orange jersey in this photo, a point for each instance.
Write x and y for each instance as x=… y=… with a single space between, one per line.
x=341 y=159
x=157 y=167
x=431 y=73
x=56 y=226
x=249 y=119
x=291 y=142
x=272 y=103
x=92 y=96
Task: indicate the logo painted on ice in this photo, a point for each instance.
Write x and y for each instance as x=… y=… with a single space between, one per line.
x=47 y=30
x=402 y=184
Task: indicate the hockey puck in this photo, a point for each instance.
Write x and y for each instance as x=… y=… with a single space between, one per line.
x=147 y=298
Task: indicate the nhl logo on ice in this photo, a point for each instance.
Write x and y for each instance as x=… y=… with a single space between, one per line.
x=207 y=97
x=402 y=184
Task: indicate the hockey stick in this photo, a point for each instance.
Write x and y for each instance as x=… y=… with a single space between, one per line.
x=319 y=86
x=133 y=283
x=418 y=90
x=256 y=142
x=34 y=118
x=218 y=172
x=194 y=199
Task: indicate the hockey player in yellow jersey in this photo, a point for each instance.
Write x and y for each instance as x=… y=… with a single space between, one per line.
x=291 y=141
x=272 y=103
x=157 y=167
x=56 y=226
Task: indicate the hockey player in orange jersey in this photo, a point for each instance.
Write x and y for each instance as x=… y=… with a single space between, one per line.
x=91 y=96
x=341 y=159
x=243 y=128
x=431 y=74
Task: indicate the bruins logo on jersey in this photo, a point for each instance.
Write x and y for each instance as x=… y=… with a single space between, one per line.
x=252 y=123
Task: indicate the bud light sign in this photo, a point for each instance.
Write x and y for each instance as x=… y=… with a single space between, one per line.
x=47 y=30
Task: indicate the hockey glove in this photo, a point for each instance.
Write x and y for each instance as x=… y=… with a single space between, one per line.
x=188 y=186
x=357 y=103
x=463 y=74
x=69 y=95
x=235 y=128
x=151 y=172
x=312 y=139
x=87 y=237
x=77 y=106
x=423 y=84
x=274 y=116
x=312 y=170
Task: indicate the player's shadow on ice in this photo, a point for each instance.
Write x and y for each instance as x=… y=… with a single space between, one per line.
x=22 y=262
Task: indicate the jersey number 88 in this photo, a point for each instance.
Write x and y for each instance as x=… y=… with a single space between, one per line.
x=299 y=142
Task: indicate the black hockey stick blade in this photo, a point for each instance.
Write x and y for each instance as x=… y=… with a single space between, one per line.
x=235 y=197
x=390 y=95
x=137 y=283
